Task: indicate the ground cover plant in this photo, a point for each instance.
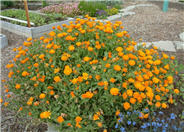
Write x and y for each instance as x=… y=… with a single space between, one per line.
x=66 y=9
x=37 y=19
x=91 y=76
x=99 y=9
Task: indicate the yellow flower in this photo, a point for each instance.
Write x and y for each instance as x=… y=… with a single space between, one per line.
x=71 y=48
x=114 y=91
x=52 y=51
x=17 y=86
x=85 y=76
x=117 y=68
x=67 y=70
x=86 y=59
x=45 y=115
x=42 y=96
x=56 y=70
x=57 y=78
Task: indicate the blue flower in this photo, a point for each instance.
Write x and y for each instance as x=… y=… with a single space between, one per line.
x=163 y=130
x=153 y=123
x=116 y=126
x=146 y=110
x=121 y=115
x=134 y=123
x=172 y=116
x=128 y=113
x=160 y=112
x=129 y=122
x=143 y=126
x=166 y=125
x=122 y=129
x=163 y=121
x=157 y=119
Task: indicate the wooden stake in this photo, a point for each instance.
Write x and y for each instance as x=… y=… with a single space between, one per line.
x=27 y=13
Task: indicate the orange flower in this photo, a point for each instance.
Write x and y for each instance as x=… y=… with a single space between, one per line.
x=71 y=48
x=119 y=49
x=87 y=95
x=99 y=124
x=107 y=65
x=72 y=94
x=131 y=62
x=95 y=117
x=97 y=77
x=52 y=51
x=17 y=86
x=155 y=80
x=117 y=68
x=25 y=73
x=42 y=96
x=67 y=70
x=158 y=104
x=125 y=57
x=52 y=92
x=78 y=119
x=132 y=100
x=157 y=97
x=85 y=76
x=112 y=80
x=170 y=79
x=36 y=64
x=117 y=112
x=45 y=115
x=60 y=119
x=176 y=91
x=86 y=59
x=164 y=105
x=129 y=92
x=126 y=106
x=57 y=78
x=114 y=91
x=52 y=33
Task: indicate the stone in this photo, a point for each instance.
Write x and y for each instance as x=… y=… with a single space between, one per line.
x=179 y=45
x=110 y=18
x=3 y=41
x=162 y=45
x=182 y=36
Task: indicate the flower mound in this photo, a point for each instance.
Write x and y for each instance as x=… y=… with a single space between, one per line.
x=81 y=76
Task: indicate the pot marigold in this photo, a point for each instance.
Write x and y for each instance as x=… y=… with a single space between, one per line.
x=117 y=68
x=60 y=119
x=57 y=79
x=67 y=70
x=45 y=115
x=114 y=91
x=126 y=106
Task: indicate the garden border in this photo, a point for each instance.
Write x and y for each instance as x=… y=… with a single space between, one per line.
x=33 y=32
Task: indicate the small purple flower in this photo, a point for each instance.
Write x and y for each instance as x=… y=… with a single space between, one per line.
x=172 y=116
x=129 y=122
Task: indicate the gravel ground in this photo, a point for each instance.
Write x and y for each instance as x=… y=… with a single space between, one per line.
x=149 y=23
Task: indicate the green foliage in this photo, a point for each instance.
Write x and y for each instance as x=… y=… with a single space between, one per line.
x=91 y=7
x=37 y=19
x=44 y=3
x=7 y=3
x=112 y=11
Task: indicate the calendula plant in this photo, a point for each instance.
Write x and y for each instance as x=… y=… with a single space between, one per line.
x=83 y=75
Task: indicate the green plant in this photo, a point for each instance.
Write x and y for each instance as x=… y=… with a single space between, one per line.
x=37 y=19
x=44 y=3
x=91 y=7
x=81 y=76
x=7 y=3
x=112 y=11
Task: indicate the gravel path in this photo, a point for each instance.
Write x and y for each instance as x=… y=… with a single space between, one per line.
x=149 y=23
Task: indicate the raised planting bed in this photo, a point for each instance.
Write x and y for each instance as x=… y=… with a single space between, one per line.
x=41 y=23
